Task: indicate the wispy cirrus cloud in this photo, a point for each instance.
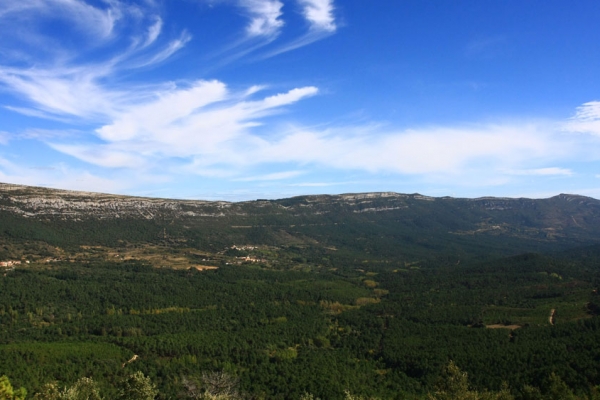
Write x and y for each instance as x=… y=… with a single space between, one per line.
x=276 y=176
x=103 y=156
x=153 y=31
x=62 y=176
x=59 y=85
x=440 y=151
x=265 y=17
x=60 y=91
x=266 y=22
x=166 y=52
x=549 y=171
x=211 y=131
x=4 y=137
x=192 y=123
x=319 y=14
x=586 y=119
x=91 y=20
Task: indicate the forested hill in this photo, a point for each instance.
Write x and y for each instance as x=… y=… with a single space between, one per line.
x=403 y=226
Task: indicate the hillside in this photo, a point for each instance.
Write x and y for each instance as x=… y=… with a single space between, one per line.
x=323 y=229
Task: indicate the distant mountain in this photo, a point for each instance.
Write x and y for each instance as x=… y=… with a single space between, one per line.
x=327 y=228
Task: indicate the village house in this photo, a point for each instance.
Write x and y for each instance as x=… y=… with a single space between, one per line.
x=8 y=264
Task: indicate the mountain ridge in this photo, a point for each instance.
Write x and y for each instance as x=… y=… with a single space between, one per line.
x=35 y=197
x=359 y=225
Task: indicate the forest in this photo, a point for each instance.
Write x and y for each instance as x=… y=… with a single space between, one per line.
x=523 y=325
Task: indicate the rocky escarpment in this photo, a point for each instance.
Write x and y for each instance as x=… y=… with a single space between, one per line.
x=460 y=215
x=42 y=202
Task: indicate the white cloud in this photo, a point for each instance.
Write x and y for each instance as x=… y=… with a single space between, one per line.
x=89 y=19
x=316 y=184
x=173 y=47
x=586 y=119
x=276 y=176
x=212 y=135
x=201 y=121
x=4 y=137
x=550 y=171
x=72 y=92
x=61 y=176
x=50 y=78
x=205 y=129
x=287 y=98
x=264 y=17
x=103 y=156
x=155 y=118
x=319 y=14
x=154 y=31
x=445 y=151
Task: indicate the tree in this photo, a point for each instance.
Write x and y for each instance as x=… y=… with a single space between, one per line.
x=454 y=385
x=138 y=387
x=213 y=386
x=558 y=389
x=49 y=391
x=83 y=389
x=7 y=392
x=350 y=396
x=308 y=396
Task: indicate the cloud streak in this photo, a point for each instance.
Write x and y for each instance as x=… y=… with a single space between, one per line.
x=89 y=19
x=57 y=86
x=4 y=138
x=267 y=22
x=265 y=17
x=586 y=119
x=212 y=131
x=195 y=122
x=550 y=171
x=319 y=14
x=61 y=176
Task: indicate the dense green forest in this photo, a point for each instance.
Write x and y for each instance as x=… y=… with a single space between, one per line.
x=388 y=333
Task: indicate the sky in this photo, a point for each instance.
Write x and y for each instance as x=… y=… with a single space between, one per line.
x=246 y=99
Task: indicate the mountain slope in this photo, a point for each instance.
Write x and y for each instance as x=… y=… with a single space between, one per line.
x=404 y=227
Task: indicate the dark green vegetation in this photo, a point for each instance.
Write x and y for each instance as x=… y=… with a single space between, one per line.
x=373 y=294
x=287 y=332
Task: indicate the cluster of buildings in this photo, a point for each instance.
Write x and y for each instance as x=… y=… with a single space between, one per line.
x=247 y=259
x=8 y=264
x=234 y=247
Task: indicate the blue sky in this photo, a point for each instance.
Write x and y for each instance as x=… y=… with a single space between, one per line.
x=245 y=99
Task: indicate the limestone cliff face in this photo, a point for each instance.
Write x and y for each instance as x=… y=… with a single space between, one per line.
x=484 y=215
x=42 y=202
x=39 y=202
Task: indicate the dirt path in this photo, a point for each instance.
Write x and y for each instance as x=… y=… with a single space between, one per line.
x=135 y=357
x=499 y=326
